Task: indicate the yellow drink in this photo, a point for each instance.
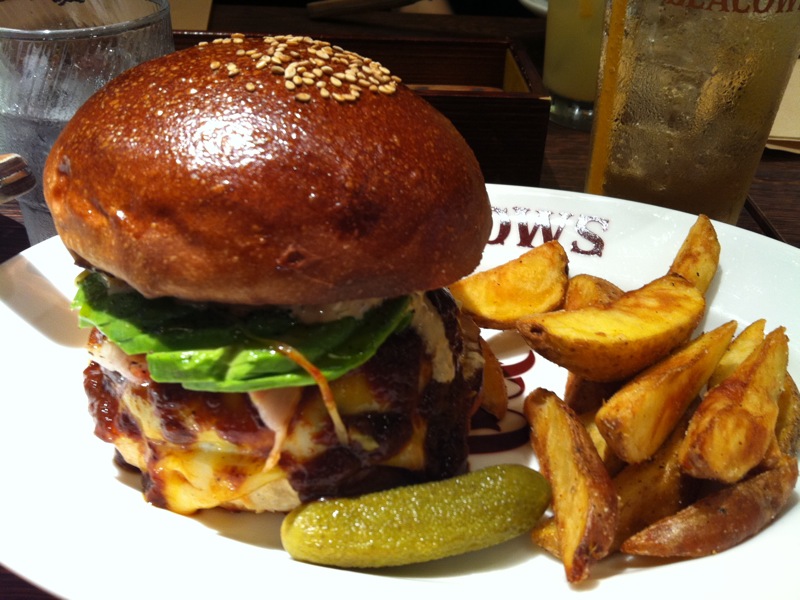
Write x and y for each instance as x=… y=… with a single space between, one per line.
x=572 y=54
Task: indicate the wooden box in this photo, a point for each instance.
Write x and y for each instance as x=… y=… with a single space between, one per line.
x=488 y=88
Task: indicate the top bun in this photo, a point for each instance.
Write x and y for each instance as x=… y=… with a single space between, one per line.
x=267 y=171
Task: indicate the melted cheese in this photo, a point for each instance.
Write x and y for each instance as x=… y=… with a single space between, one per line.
x=213 y=471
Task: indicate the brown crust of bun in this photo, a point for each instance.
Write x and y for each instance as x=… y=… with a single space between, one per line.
x=187 y=178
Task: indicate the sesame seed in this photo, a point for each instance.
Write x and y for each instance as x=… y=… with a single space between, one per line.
x=303 y=63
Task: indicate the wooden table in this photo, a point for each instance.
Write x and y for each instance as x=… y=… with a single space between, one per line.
x=775 y=193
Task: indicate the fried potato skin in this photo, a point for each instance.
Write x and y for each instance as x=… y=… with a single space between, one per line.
x=589 y=290
x=615 y=341
x=533 y=283
x=493 y=395
x=545 y=535
x=584 y=502
x=580 y=394
x=697 y=259
x=787 y=428
x=653 y=489
x=731 y=430
x=610 y=459
x=640 y=416
x=741 y=347
x=721 y=520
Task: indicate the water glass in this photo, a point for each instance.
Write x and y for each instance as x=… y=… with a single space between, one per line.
x=53 y=56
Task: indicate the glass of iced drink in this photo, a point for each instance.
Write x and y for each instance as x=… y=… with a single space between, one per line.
x=572 y=59
x=687 y=95
x=53 y=56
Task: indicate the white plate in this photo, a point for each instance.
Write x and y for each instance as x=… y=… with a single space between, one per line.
x=72 y=523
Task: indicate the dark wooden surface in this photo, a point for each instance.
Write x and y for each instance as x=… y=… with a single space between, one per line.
x=775 y=193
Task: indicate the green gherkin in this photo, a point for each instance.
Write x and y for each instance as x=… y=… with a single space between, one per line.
x=418 y=523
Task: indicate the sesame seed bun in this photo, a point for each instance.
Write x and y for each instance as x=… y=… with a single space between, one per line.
x=267 y=171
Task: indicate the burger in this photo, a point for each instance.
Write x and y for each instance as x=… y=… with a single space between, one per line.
x=267 y=227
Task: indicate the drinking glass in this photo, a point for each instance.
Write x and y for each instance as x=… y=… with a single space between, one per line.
x=687 y=95
x=53 y=56
x=573 y=36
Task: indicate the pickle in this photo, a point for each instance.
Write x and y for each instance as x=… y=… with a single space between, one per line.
x=418 y=523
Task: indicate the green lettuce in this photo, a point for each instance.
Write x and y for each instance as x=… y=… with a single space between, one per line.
x=210 y=347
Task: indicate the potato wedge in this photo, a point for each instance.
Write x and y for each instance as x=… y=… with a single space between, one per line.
x=545 y=535
x=584 y=396
x=580 y=394
x=787 y=427
x=588 y=290
x=732 y=428
x=584 y=503
x=612 y=462
x=698 y=257
x=640 y=416
x=493 y=395
x=653 y=489
x=535 y=282
x=616 y=341
x=740 y=348
x=721 y=520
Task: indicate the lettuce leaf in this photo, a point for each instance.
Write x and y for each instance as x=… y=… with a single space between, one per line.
x=213 y=348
